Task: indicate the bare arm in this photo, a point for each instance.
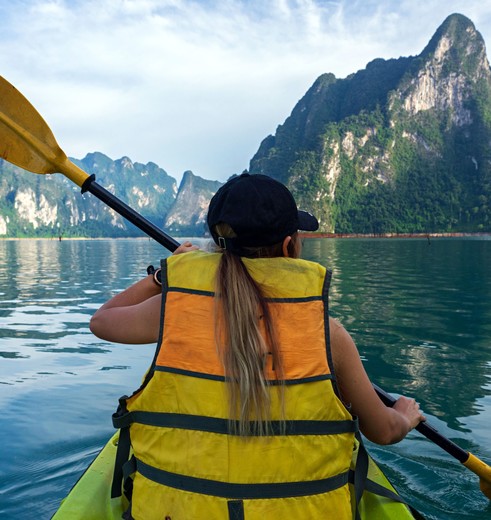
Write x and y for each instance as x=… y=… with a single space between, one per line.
x=378 y=423
x=133 y=316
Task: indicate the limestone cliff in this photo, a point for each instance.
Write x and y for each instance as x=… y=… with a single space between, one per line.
x=400 y=146
x=50 y=205
x=188 y=213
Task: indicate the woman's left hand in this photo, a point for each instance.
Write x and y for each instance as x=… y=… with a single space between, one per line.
x=185 y=247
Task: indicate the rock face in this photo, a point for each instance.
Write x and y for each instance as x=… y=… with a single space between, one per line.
x=35 y=211
x=187 y=217
x=455 y=59
x=401 y=146
x=33 y=205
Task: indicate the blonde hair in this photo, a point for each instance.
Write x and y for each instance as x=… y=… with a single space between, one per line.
x=241 y=308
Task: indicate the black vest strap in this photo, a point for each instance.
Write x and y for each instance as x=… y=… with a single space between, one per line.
x=359 y=478
x=241 y=491
x=377 y=489
x=215 y=425
x=213 y=377
x=361 y=472
x=235 y=510
x=122 y=456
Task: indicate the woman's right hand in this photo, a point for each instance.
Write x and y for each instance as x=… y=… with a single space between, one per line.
x=409 y=409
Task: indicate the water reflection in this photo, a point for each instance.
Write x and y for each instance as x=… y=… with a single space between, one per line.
x=420 y=315
x=50 y=289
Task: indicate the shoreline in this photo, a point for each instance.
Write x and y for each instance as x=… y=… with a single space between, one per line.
x=63 y=239
x=393 y=235
x=301 y=234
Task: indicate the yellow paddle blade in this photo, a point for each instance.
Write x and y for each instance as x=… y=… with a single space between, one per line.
x=27 y=141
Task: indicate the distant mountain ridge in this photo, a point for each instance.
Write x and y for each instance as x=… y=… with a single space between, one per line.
x=38 y=205
x=403 y=145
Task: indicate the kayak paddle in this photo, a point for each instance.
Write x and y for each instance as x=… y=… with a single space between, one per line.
x=27 y=141
x=470 y=461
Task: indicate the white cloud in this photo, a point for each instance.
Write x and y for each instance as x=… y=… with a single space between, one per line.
x=197 y=85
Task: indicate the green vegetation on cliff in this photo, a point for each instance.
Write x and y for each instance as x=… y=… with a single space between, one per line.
x=401 y=146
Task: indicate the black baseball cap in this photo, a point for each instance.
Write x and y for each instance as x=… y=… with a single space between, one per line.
x=260 y=210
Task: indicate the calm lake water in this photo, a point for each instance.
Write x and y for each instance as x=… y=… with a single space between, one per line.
x=419 y=311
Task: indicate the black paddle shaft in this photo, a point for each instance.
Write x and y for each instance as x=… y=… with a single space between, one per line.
x=428 y=431
x=129 y=214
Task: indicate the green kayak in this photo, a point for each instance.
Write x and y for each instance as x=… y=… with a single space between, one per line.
x=90 y=498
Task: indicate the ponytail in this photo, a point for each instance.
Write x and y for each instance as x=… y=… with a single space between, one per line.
x=242 y=312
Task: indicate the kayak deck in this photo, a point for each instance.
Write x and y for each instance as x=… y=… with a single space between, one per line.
x=90 y=498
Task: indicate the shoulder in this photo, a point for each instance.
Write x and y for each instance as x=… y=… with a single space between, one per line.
x=341 y=340
x=336 y=327
x=292 y=276
x=195 y=270
x=191 y=256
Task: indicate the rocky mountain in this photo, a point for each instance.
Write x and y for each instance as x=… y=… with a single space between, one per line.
x=401 y=146
x=51 y=205
x=45 y=205
x=187 y=217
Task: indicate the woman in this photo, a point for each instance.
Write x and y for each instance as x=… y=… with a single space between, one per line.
x=252 y=402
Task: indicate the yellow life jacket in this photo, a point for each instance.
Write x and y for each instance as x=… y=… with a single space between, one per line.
x=188 y=464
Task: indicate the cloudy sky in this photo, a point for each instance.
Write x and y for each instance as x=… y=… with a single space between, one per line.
x=196 y=85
